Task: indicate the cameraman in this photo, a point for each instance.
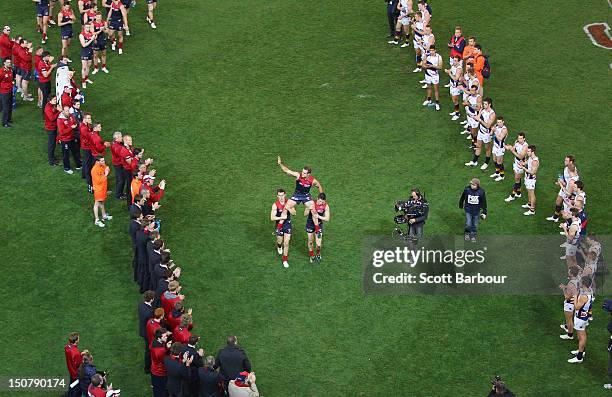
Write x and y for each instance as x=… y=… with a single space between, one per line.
x=500 y=390
x=416 y=219
x=607 y=306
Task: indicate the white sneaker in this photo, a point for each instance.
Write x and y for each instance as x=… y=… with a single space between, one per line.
x=525 y=206
x=500 y=178
x=437 y=106
x=285 y=264
x=529 y=213
x=563 y=257
x=494 y=175
x=563 y=327
x=455 y=117
x=416 y=70
x=120 y=51
x=484 y=166
x=94 y=71
x=99 y=223
x=107 y=217
x=127 y=33
x=392 y=42
x=105 y=70
x=452 y=113
x=471 y=164
x=426 y=103
x=113 y=46
x=509 y=198
x=564 y=245
x=155 y=27
x=69 y=172
x=575 y=352
x=424 y=86
x=574 y=360
x=447 y=85
x=562 y=233
x=422 y=81
x=552 y=219
x=464 y=122
x=279 y=250
x=84 y=85
x=469 y=137
x=608 y=386
x=464 y=132
x=89 y=81
x=404 y=45
x=566 y=337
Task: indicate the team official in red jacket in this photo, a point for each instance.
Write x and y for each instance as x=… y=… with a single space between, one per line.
x=156 y=192
x=159 y=350
x=181 y=333
x=25 y=69
x=85 y=131
x=6 y=44
x=6 y=92
x=116 y=149
x=154 y=323
x=73 y=359
x=66 y=124
x=170 y=297
x=44 y=68
x=51 y=112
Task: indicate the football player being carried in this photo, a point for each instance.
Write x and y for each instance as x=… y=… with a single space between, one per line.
x=282 y=216
x=322 y=213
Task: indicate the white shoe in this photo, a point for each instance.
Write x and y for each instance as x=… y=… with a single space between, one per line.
x=552 y=218
x=494 y=175
x=566 y=337
x=148 y=20
x=500 y=178
x=120 y=51
x=529 y=213
x=525 y=206
x=404 y=45
x=447 y=85
x=562 y=233
x=108 y=217
x=564 y=245
x=452 y=113
x=105 y=70
x=574 y=360
x=69 y=60
x=608 y=386
x=155 y=27
x=279 y=250
x=99 y=223
x=392 y=42
x=471 y=164
x=455 y=117
x=563 y=257
x=69 y=172
x=563 y=327
x=464 y=122
x=94 y=71
x=509 y=198
x=113 y=46
x=285 y=264
x=575 y=352
x=464 y=132
x=437 y=106
x=127 y=33
x=416 y=70
x=426 y=103
x=89 y=81
x=469 y=137
x=422 y=81
x=484 y=166
x=424 y=86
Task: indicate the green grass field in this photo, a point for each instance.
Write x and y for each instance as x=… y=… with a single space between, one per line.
x=214 y=94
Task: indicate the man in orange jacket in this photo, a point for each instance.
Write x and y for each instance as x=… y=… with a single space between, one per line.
x=479 y=63
x=99 y=176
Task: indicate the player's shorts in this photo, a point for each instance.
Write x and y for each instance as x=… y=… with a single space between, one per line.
x=126 y=3
x=116 y=25
x=301 y=198
x=568 y=306
x=570 y=250
x=498 y=151
x=562 y=194
x=485 y=137
x=432 y=79
x=42 y=11
x=530 y=183
x=99 y=46
x=286 y=229
x=310 y=226
x=579 y=324
x=416 y=45
x=66 y=34
x=472 y=123
x=455 y=91
x=25 y=74
x=405 y=21
x=517 y=169
x=86 y=54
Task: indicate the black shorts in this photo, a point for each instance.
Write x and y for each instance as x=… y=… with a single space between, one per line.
x=25 y=74
x=66 y=34
x=100 y=47
x=42 y=11
x=116 y=24
x=87 y=54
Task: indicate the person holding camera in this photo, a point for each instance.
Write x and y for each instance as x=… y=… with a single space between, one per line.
x=473 y=200
x=243 y=385
x=417 y=222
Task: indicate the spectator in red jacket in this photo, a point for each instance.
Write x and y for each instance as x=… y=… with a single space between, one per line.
x=52 y=111
x=181 y=333
x=159 y=350
x=154 y=323
x=116 y=147
x=73 y=361
x=6 y=92
x=6 y=44
x=170 y=297
x=65 y=136
x=25 y=69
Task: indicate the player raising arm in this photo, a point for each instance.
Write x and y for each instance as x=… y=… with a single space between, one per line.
x=322 y=213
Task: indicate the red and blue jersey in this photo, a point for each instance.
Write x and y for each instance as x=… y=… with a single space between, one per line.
x=303 y=185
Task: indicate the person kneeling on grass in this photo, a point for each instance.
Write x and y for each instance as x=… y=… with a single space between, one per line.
x=99 y=175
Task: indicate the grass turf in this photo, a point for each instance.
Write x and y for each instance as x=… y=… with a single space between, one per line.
x=214 y=95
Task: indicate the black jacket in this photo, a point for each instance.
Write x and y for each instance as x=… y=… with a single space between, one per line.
x=232 y=360
x=474 y=200
x=145 y=312
x=421 y=219
x=141 y=246
x=209 y=380
x=162 y=286
x=132 y=230
x=177 y=374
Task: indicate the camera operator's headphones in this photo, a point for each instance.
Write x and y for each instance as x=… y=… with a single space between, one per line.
x=417 y=191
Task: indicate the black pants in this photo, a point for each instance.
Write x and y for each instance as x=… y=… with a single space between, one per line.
x=51 y=143
x=147 y=357
x=6 y=104
x=119 y=181
x=68 y=148
x=88 y=162
x=46 y=92
x=392 y=15
x=127 y=177
x=159 y=386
